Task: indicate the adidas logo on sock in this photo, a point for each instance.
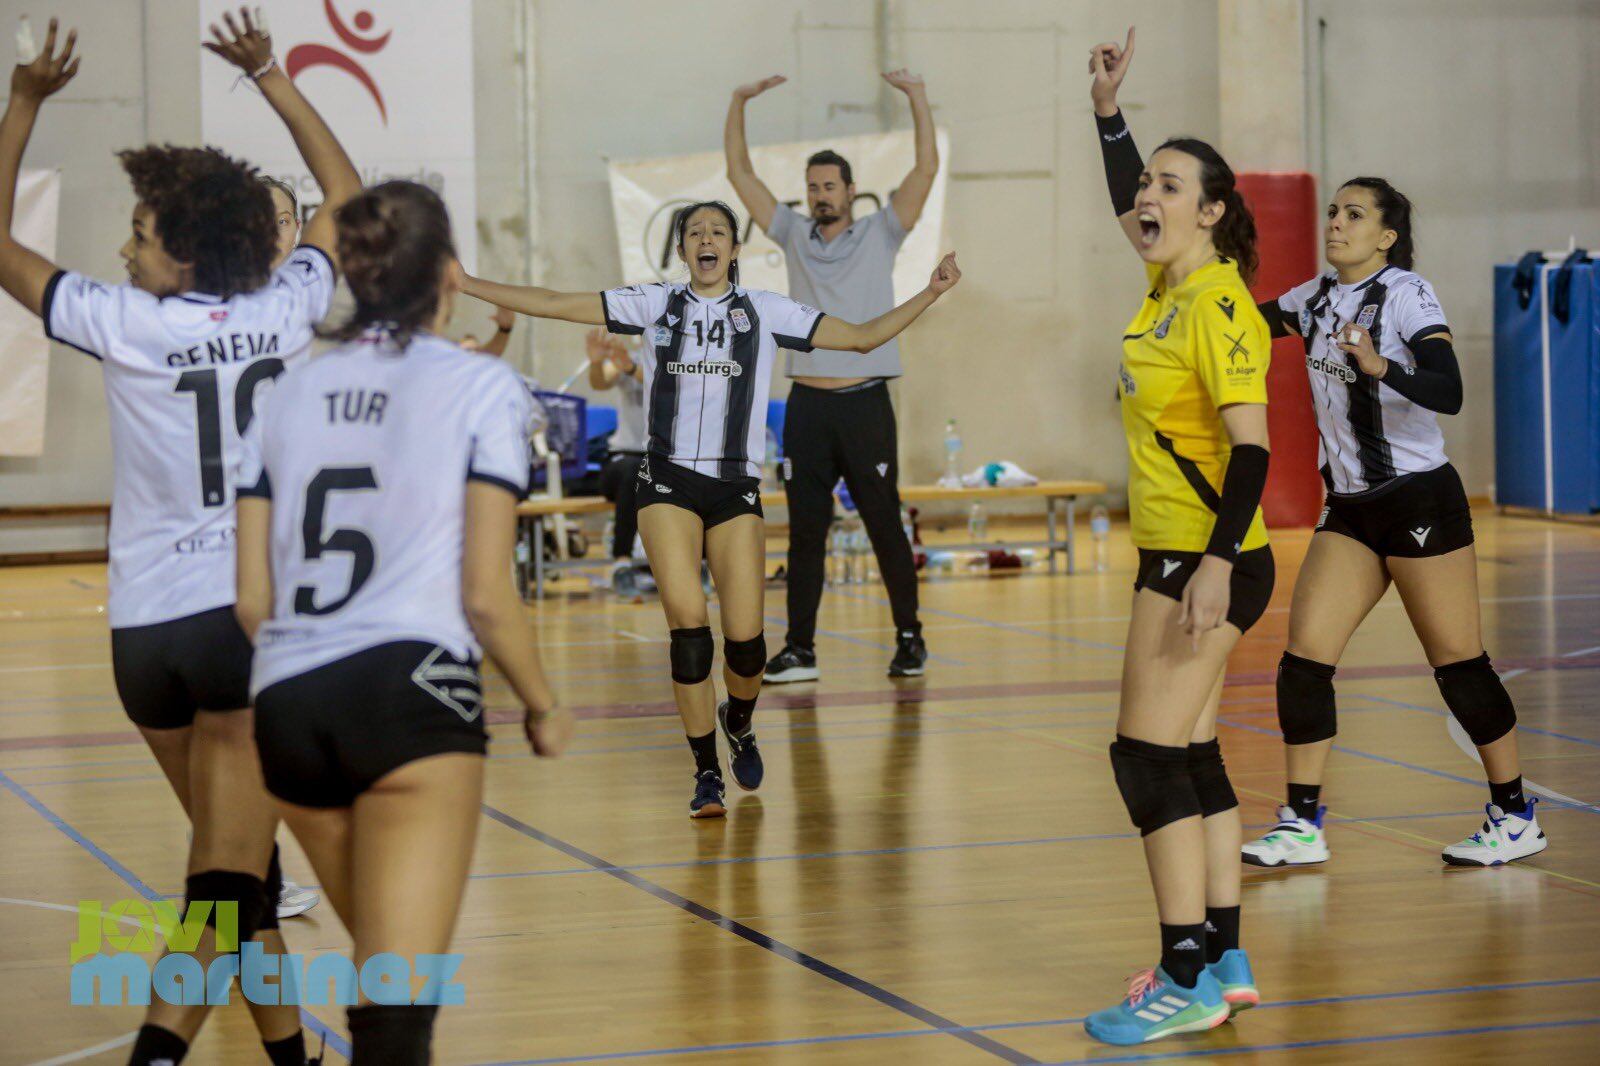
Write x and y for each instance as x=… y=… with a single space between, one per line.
x=1186 y=944
x=1210 y=928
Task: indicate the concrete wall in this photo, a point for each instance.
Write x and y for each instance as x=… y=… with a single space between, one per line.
x=1024 y=354
x=1482 y=112
x=1470 y=105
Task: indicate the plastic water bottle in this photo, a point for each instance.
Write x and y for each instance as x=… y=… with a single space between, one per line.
x=952 y=455
x=863 y=570
x=838 y=563
x=977 y=524
x=1100 y=529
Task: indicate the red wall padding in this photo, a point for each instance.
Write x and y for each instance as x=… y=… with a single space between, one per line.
x=1287 y=221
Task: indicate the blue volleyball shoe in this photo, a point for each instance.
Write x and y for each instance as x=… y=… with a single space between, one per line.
x=1237 y=982
x=1156 y=1008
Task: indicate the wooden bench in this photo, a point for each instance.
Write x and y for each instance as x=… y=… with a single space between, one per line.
x=1056 y=495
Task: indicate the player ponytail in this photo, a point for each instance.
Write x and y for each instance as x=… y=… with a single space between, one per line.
x=681 y=226
x=1235 y=233
x=394 y=247
x=1394 y=211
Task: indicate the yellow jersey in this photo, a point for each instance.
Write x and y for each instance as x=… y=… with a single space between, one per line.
x=1188 y=351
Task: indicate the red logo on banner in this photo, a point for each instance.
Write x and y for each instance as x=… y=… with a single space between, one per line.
x=305 y=56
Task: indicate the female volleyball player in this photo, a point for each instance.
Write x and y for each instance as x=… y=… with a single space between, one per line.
x=286 y=216
x=1382 y=370
x=378 y=493
x=202 y=323
x=708 y=356
x=1194 y=393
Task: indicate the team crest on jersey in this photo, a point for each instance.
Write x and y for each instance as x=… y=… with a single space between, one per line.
x=660 y=336
x=740 y=320
x=1367 y=316
x=1129 y=386
x=1305 y=322
x=1165 y=326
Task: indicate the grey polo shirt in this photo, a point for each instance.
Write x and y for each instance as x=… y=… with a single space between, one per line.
x=850 y=277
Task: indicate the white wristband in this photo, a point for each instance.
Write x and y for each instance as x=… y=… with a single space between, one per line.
x=265 y=68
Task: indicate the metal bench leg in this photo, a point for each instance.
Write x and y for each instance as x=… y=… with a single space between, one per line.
x=1050 y=531
x=1072 y=525
x=538 y=557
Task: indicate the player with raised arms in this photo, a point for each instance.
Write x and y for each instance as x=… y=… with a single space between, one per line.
x=203 y=322
x=708 y=357
x=1194 y=391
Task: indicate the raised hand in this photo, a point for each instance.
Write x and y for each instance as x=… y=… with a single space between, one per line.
x=597 y=345
x=945 y=275
x=905 y=81
x=247 y=44
x=48 y=72
x=756 y=88
x=1109 y=63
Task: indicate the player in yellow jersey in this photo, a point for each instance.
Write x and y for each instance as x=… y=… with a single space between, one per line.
x=1194 y=393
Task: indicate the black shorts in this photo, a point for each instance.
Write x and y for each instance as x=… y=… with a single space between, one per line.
x=167 y=671
x=714 y=500
x=1415 y=517
x=1167 y=572
x=325 y=736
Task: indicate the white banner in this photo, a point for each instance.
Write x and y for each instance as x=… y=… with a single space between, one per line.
x=646 y=195
x=24 y=352
x=392 y=79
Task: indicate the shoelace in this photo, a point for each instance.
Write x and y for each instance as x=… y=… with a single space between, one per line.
x=1143 y=984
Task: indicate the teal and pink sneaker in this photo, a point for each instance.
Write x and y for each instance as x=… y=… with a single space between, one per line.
x=1156 y=1007
x=1238 y=984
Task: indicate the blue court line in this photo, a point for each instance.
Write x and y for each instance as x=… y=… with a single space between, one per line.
x=1475 y=783
x=893 y=1034
x=1348 y=1041
x=1522 y=727
x=992 y=624
x=334 y=1039
x=759 y=939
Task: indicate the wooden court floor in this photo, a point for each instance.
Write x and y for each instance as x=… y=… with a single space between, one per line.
x=935 y=872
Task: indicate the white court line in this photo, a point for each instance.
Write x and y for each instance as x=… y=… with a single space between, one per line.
x=61 y=666
x=1509 y=674
x=641 y=639
x=1580 y=651
x=1464 y=742
x=89 y=1052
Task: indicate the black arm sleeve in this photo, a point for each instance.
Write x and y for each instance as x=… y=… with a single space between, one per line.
x=1241 y=495
x=1435 y=382
x=1121 y=157
x=1276 y=320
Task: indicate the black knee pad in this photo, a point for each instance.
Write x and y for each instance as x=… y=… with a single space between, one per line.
x=1305 y=700
x=1211 y=785
x=692 y=651
x=747 y=658
x=230 y=886
x=1477 y=698
x=1155 y=783
x=391 y=1035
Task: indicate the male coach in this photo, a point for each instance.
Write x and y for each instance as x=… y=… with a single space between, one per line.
x=840 y=421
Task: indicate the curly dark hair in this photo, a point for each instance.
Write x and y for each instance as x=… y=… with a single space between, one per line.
x=210 y=210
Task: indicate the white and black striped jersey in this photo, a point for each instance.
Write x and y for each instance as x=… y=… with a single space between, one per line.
x=365 y=453
x=182 y=374
x=1369 y=434
x=708 y=369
